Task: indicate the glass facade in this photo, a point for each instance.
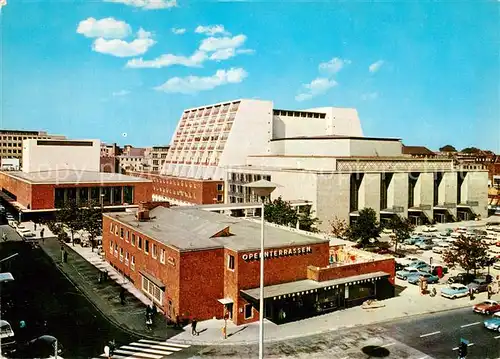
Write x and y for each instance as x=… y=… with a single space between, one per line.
x=128 y=194
x=109 y=196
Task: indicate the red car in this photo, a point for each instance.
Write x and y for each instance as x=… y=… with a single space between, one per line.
x=487 y=307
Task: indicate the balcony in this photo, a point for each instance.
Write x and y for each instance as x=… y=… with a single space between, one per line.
x=211 y=121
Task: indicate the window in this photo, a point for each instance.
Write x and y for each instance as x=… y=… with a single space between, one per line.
x=126 y=258
x=155 y=251
x=121 y=254
x=219 y=198
x=248 y=311
x=116 y=250
x=116 y=230
x=132 y=262
x=162 y=256
x=146 y=246
x=139 y=244
x=126 y=236
x=152 y=290
x=133 y=239
x=121 y=232
x=111 y=247
x=230 y=262
x=111 y=227
x=219 y=187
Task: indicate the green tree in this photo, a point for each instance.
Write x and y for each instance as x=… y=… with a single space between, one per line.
x=471 y=150
x=280 y=212
x=447 y=148
x=307 y=220
x=468 y=253
x=365 y=228
x=91 y=216
x=402 y=228
x=338 y=227
x=69 y=216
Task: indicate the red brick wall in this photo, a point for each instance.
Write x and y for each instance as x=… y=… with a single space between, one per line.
x=167 y=272
x=17 y=187
x=334 y=272
x=184 y=189
x=202 y=283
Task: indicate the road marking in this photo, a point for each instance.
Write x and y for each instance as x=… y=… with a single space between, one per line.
x=425 y=357
x=146 y=350
x=163 y=343
x=498 y=336
x=429 y=334
x=468 y=325
x=387 y=345
x=152 y=346
x=469 y=345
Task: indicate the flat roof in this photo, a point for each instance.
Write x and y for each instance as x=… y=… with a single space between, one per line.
x=72 y=177
x=276 y=290
x=336 y=137
x=228 y=206
x=190 y=229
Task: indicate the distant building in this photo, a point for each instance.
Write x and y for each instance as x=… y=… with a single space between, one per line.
x=11 y=145
x=10 y=164
x=156 y=157
x=132 y=159
x=418 y=152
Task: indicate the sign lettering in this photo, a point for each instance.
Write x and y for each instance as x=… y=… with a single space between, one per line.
x=277 y=253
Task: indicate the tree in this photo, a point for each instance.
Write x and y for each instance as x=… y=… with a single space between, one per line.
x=471 y=150
x=339 y=227
x=307 y=221
x=366 y=227
x=280 y=212
x=402 y=228
x=447 y=148
x=69 y=216
x=467 y=253
x=91 y=217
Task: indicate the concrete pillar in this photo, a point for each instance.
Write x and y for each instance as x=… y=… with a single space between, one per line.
x=476 y=190
x=448 y=192
x=332 y=198
x=424 y=193
x=369 y=192
x=397 y=193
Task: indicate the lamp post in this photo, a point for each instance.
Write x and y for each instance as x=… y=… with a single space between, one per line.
x=262 y=189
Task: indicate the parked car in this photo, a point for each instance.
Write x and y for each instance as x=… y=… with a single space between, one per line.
x=424 y=246
x=479 y=285
x=25 y=233
x=462 y=278
x=411 y=240
x=455 y=290
x=407 y=272
x=437 y=250
x=429 y=278
x=496 y=265
x=7 y=338
x=42 y=347
x=493 y=323
x=487 y=307
x=429 y=229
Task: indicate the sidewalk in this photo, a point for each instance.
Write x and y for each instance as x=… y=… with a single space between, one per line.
x=105 y=295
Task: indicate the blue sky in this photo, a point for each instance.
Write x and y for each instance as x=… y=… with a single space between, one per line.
x=426 y=72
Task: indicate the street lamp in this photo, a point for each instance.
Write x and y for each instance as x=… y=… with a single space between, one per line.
x=262 y=189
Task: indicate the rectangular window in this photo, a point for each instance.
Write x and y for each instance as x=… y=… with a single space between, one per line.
x=128 y=194
x=230 y=262
x=146 y=246
x=59 y=197
x=139 y=243
x=121 y=232
x=248 y=311
x=116 y=250
x=121 y=254
x=116 y=230
x=162 y=256
x=111 y=227
x=219 y=187
x=126 y=258
x=83 y=195
x=152 y=290
x=132 y=262
x=133 y=239
x=111 y=247
x=155 y=251
x=126 y=236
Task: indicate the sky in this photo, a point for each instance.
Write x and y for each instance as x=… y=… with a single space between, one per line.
x=123 y=71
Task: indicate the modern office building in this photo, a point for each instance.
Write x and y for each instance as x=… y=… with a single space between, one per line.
x=156 y=157
x=167 y=253
x=11 y=141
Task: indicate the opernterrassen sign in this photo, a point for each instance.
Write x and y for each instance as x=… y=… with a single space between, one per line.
x=277 y=253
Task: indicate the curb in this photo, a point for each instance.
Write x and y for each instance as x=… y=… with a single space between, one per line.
x=310 y=334
x=78 y=287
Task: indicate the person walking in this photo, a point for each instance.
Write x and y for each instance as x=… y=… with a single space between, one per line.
x=149 y=321
x=112 y=347
x=42 y=232
x=122 y=296
x=193 y=327
x=65 y=257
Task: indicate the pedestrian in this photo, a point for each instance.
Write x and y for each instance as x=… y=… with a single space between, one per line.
x=153 y=309
x=112 y=347
x=122 y=296
x=22 y=330
x=107 y=352
x=65 y=257
x=149 y=321
x=177 y=321
x=193 y=327
x=471 y=294
x=42 y=232
x=35 y=226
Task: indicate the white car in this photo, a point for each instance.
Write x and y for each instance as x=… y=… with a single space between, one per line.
x=429 y=229
x=496 y=266
x=25 y=233
x=455 y=290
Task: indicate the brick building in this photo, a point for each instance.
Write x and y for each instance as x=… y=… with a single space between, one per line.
x=184 y=190
x=194 y=263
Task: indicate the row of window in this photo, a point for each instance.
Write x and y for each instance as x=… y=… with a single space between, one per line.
x=103 y=195
x=139 y=242
x=20 y=138
x=298 y=114
x=11 y=151
x=247 y=177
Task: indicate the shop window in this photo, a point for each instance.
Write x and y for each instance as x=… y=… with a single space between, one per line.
x=230 y=262
x=139 y=243
x=248 y=311
x=162 y=256
x=146 y=246
x=152 y=290
x=133 y=239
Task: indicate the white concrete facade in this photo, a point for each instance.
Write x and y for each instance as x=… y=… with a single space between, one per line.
x=45 y=155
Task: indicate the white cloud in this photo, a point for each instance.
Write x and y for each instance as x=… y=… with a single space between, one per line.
x=369 y=96
x=218 y=43
x=194 y=84
x=333 y=66
x=194 y=60
x=107 y=28
x=376 y=66
x=211 y=30
x=316 y=87
x=147 y=4
x=121 y=93
x=178 y=31
x=121 y=48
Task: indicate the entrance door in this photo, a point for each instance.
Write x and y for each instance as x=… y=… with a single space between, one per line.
x=229 y=310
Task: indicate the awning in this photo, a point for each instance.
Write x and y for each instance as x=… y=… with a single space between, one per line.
x=309 y=286
x=225 y=301
x=6 y=277
x=152 y=279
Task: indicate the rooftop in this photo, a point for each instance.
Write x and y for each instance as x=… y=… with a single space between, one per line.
x=336 y=137
x=417 y=150
x=71 y=176
x=190 y=229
